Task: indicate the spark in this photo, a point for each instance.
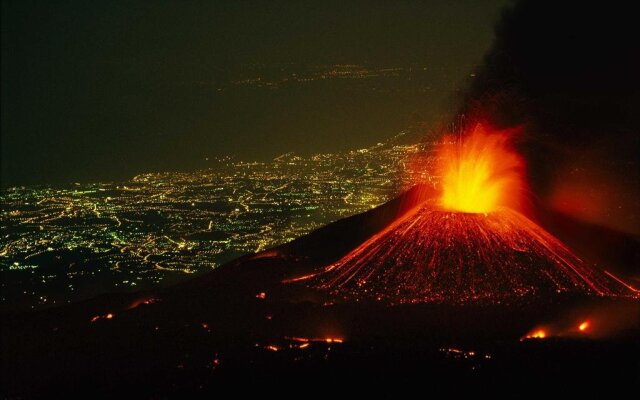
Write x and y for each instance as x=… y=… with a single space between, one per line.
x=299 y=278
x=622 y=282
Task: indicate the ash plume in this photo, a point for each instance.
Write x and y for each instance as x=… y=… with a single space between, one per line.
x=568 y=74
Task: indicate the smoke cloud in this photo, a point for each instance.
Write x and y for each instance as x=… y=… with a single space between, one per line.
x=569 y=74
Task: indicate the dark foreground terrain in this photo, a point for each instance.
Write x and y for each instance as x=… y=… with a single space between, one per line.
x=240 y=327
x=197 y=342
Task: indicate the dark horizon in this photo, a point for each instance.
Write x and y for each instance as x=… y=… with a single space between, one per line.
x=105 y=91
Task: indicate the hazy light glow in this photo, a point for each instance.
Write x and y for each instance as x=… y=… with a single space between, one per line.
x=583 y=327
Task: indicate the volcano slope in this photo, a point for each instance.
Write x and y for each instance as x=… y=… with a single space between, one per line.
x=430 y=255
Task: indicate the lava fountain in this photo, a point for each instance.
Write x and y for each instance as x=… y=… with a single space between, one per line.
x=481 y=172
x=470 y=244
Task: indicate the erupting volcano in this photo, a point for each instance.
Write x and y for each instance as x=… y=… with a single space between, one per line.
x=471 y=244
x=481 y=172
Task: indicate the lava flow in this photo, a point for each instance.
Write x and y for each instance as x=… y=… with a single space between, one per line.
x=471 y=244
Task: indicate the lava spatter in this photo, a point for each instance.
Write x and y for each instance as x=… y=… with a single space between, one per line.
x=432 y=255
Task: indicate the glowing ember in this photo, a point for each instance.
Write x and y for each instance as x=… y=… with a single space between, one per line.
x=105 y=316
x=459 y=354
x=261 y=296
x=308 y=340
x=537 y=334
x=297 y=339
x=583 y=327
x=143 y=301
x=481 y=173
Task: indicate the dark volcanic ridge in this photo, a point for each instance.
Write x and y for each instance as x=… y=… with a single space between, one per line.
x=430 y=255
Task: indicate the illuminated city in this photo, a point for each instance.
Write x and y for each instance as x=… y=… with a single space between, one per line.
x=63 y=243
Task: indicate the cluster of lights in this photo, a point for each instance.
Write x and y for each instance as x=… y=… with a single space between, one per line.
x=159 y=226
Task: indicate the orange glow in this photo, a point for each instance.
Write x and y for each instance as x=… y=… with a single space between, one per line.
x=143 y=301
x=308 y=340
x=106 y=316
x=298 y=279
x=481 y=172
x=584 y=326
x=297 y=339
x=261 y=296
x=537 y=334
x=272 y=347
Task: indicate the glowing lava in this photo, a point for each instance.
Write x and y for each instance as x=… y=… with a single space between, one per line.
x=470 y=244
x=536 y=334
x=431 y=255
x=481 y=172
x=583 y=327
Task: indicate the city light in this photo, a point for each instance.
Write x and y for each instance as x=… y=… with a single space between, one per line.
x=157 y=227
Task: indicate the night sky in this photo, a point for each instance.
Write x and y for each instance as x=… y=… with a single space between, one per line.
x=105 y=90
